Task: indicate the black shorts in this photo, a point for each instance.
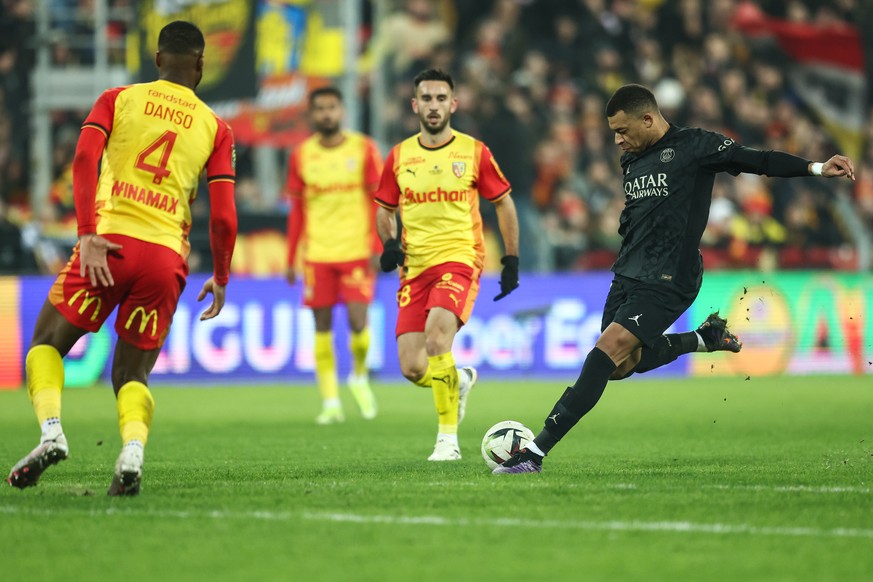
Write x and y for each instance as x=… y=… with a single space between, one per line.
x=644 y=309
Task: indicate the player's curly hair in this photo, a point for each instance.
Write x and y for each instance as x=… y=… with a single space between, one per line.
x=181 y=38
x=633 y=99
x=433 y=75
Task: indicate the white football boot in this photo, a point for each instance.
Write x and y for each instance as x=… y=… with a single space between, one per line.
x=128 y=470
x=446 y=449
x=26 y=472
x=331 y=415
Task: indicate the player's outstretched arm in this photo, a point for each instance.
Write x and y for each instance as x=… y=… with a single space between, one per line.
x=837 y=167
x=218 y=294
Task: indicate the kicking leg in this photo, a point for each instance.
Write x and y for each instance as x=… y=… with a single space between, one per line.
x=615 y=345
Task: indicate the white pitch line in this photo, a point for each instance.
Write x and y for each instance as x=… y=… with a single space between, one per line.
x=635 y=526
x=791 y=488
x=435 y=520
x=823 y=489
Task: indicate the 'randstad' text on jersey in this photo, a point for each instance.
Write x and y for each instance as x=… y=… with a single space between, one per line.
x=668 y=190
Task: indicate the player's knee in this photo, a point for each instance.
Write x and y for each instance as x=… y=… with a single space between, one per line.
x=436 y=343
x=413 y=371
x=621 y=373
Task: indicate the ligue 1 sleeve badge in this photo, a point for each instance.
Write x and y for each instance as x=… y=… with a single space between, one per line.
x=458 y=168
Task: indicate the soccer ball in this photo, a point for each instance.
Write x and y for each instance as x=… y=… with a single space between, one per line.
x=503 y=440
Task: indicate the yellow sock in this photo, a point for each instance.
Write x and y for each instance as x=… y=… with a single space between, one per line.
x=45 y=381
x=135 y=409
x=445 y=391
x=426 y=380
x=360 y=345
x=325 y=365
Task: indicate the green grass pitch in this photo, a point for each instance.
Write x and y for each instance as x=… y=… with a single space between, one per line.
x=704 y=479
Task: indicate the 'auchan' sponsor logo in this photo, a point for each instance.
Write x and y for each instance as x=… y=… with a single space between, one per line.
x=410 y=196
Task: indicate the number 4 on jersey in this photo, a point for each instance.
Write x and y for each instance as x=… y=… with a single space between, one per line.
x=164 y=143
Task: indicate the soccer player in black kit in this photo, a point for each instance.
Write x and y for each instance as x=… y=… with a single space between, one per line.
x=668 y=176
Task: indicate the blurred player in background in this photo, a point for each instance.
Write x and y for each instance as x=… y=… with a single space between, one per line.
x=331 y=178
x=435 y=179
x=668 y=177
x=155 y=140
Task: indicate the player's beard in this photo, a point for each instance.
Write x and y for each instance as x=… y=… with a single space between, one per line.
x=328 y=128
x=435 y=129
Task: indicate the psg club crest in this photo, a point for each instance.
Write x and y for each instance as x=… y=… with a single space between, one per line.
x=458 y=168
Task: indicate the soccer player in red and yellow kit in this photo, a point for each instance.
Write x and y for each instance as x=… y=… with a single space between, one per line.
x=155 y=140
x=331 y=179
x=435 y=180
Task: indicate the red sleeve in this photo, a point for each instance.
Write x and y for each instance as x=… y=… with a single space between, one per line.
x=89 y=149
x=295 y=188
x=388 y=193
x=220 y=174
x=295 y=227
x=372 y=174
x=222 y=228
x=491 y=182
x=221 y=164
x=102 y=115
x=294 y=185
x=372 y=165
x=88 y=152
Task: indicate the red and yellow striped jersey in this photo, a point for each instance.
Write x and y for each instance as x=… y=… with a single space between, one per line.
x=334 y=186
x=437 y=191
x=160 y=137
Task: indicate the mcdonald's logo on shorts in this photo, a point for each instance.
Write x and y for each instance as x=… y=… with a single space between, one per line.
x=144 y=320
x=87 y=300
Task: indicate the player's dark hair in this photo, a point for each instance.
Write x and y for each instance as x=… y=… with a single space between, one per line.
x=433 y=75
x=633 y=99
x=322 y=91
x=181 y=38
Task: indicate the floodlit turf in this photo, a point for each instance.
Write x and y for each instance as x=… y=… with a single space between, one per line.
x=717 y=479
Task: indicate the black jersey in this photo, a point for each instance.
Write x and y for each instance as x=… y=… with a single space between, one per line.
x=668 y=190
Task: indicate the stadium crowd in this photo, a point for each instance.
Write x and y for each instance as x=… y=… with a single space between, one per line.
x=533 y=77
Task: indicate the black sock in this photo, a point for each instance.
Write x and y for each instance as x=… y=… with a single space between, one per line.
x=666 y=349
x=576 y=400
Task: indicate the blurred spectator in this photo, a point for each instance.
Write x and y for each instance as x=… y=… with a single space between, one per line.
x=722 y=213
x=755 y=226
x=566 y=225
x=407 y=38
x=532 y=78
x=12 y=257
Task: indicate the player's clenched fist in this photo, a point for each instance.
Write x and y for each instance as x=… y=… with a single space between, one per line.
x=392 y=255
